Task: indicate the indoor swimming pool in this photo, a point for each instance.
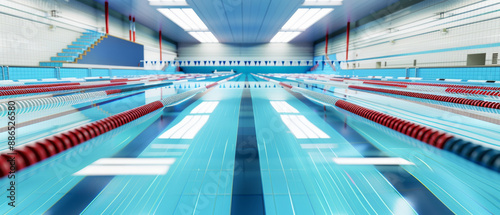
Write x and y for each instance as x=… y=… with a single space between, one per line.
x=248 y=144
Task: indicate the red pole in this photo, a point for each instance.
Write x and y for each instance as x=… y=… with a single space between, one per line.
x=106 y=12
x=347 y=47
x=133 y=19
x=130 y=28
x=326 y=41
x=160 y=47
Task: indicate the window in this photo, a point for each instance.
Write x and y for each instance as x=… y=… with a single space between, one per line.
x=476 y=59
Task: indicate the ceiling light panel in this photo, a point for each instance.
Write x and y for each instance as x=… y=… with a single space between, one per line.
x=322 y=3
x=285 y=36
x=303 y=18
x=185 y=18
x=204 y=36
x=168 y=3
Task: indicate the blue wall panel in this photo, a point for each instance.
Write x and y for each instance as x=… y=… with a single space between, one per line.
x=114 y=51
x=124 y=72
x=466 y=73
x=375 y=72
x=16 y=73
x=73 y=73
x=246 y=69
x=100 y=72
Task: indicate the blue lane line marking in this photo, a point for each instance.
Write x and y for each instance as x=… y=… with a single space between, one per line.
x=82 y=194
x=422 y=199
x=247 y=197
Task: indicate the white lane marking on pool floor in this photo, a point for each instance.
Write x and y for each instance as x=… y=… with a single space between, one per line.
x=123 y=170
x=205 y=107
x=127 y=166
x=302 y=128
x=169 y=146
x=134 y=161
x=283 y=107
x=319 y=146
x=187 y=128
x=372 y=161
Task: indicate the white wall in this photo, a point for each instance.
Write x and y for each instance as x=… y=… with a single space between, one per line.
x=265 y=51
x=419 y=28
x=30 y=35
x=153 y=54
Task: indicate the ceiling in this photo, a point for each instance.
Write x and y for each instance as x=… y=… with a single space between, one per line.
x=247 y=21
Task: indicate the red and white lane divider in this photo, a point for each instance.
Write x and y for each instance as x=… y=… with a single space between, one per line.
x=42 y=88
x=487 y=157
x=403 y=84
x=382 y=83
x=15 y=87
x=26 y=106
x=52 y=89
x=472 y=92
x=32 y=153
x=30 y=105
x=481 y=90
x=99 y=80
x=473 y=102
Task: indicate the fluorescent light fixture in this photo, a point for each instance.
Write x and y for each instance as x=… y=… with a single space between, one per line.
x=187 y=128
x=123 y=170
x=185 y=18
x=372 y=161
x=322 y=3
x=205 y=107
x=168 y=3
x=283 y=107
x=284 y=37
x=303 y=18
x=301 y=128
x=204 y=36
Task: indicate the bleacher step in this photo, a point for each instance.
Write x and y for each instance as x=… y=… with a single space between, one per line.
x=68 y=54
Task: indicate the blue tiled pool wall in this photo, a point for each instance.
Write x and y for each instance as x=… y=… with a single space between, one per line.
x=465 y=73
x=246 y=69
x=17 y=73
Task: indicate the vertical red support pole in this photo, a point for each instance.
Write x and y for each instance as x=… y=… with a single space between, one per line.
x=130 y=28
x=326 y=42
x=133 y=20
x=106 y=15
x=160 y=46
x=347 y=43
